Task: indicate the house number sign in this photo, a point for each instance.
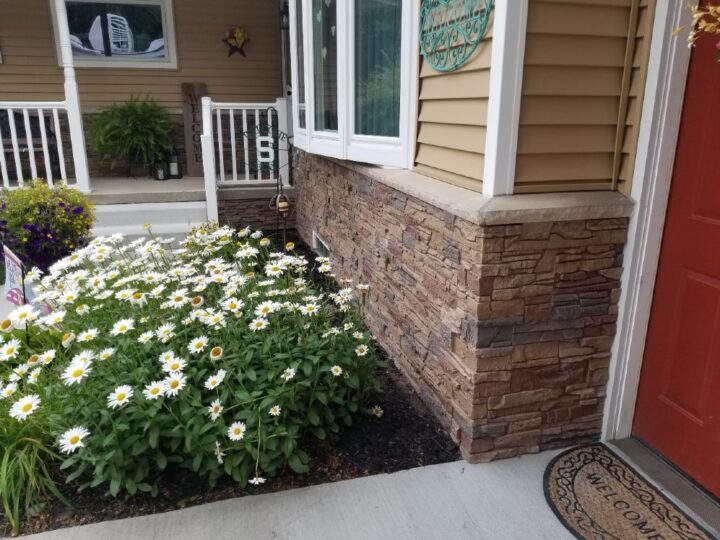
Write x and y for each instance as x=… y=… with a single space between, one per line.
x=451 y=30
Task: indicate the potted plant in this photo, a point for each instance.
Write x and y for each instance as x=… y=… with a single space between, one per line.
x=136 y=133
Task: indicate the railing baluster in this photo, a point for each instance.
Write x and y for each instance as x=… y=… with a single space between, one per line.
x=232 y=145
x=28 y=140
x=258 y=176
x=59 y=144
x=46 y=152
x=3 y=165
x=218 y=116
x=16 y=148
x=246 y=146
x=270 y=134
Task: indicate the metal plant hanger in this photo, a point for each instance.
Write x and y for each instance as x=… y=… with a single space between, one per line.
x=451 y=30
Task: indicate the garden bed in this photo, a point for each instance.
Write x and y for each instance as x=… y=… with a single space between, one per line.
x=406 y=436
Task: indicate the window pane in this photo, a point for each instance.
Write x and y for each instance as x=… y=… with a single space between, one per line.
x=325 y=64
x=127 y=31
x=377 y=67
x=300 y=64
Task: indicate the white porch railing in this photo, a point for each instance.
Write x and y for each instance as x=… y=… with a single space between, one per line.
x=243 y=144
x=34 y=139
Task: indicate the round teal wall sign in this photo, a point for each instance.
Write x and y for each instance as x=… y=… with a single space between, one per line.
x=451 y=30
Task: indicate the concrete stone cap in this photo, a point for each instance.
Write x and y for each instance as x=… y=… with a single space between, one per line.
x=481 y=210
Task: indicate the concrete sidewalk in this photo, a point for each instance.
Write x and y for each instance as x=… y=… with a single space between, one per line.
x=498 y=500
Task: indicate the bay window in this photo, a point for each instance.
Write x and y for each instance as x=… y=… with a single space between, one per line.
x=351 y=70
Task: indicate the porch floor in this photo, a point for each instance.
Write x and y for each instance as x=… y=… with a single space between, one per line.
x=146 y=190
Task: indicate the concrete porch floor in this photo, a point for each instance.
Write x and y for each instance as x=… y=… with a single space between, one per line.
x=146 y=190
x=452 y=501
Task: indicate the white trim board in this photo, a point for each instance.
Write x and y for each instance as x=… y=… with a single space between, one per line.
x=503 y=117
x=662 y=107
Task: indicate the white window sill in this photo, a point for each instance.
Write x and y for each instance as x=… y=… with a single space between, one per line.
x=476 y=208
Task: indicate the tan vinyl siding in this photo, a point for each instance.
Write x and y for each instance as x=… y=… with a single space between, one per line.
x=452 y=116
x=26 y=33
x=575 y=60
x=29 y=71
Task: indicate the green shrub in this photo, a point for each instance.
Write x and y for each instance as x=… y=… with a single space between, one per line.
x=138 y=132
x=221 y=359
x=43 y=224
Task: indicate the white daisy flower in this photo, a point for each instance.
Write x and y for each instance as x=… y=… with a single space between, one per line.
x=174 y=365
x=8 y=390
x=264 y=309
x=358 y=335
x=84 y=309
x=83 y=357
x=178 y=298
x=219 y=454
x=153 y=390
x=197 y=345
x=9 y=350
x=336 y=370
x=165 y=332
x=87 y=335
x=288 y=374
x=258 y=324
x=236 y=431
x=106 y=353
x=174 y=384
x=22 y=315
x=233 y=305
x=275 y=410
x=324 y=268
x=67 y=339
x=309 y=309
x=19 y=372
x=377 y=411
x=75 y=373
x=216 y=353
x=122 y=327
x=56 y=317
x=72 y=439
x=215 y=410
x=34 y=375
x=120 y=396
x=273 y=270
x=24 y=407
x=257 y=480
x=146 y=337
x=48 y=356
x=361 y=350
x=213 y=381
x=166 y=356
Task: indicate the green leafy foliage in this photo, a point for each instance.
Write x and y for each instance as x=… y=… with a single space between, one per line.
x=136 y=132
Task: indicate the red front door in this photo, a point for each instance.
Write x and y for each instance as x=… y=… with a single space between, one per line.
x=678 y=407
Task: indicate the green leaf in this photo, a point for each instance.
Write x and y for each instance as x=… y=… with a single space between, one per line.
x=161 y=460
x=153 y=436
x=297 y=465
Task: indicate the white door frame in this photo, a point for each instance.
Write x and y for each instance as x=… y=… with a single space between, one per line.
x=662 y=108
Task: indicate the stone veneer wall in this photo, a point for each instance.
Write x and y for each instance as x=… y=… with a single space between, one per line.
x=254 y=211
x=505 y=330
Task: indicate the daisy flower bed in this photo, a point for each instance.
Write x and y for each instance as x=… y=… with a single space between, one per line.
x=220 y=361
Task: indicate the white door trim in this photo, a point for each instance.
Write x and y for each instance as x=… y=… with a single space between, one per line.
x=662 y=107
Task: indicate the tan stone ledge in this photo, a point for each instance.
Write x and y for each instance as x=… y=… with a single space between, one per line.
x=481 y=210
x=251 y=192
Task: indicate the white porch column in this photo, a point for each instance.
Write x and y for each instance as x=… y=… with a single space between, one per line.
x=503 y=117
x=208 y=156
x=72 y=99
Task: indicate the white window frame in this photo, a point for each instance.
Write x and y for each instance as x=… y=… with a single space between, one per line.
x=166 y=8
x=345 y=143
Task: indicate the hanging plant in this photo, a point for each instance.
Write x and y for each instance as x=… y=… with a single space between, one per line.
x=235 y=39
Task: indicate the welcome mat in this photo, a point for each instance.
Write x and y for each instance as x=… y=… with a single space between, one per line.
x=598 y=496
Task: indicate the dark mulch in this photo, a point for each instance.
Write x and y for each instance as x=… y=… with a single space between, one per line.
x=406 y=436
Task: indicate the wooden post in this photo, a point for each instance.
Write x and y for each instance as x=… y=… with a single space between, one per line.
x=72 y=100
x=208 y=159
x=192 y=117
